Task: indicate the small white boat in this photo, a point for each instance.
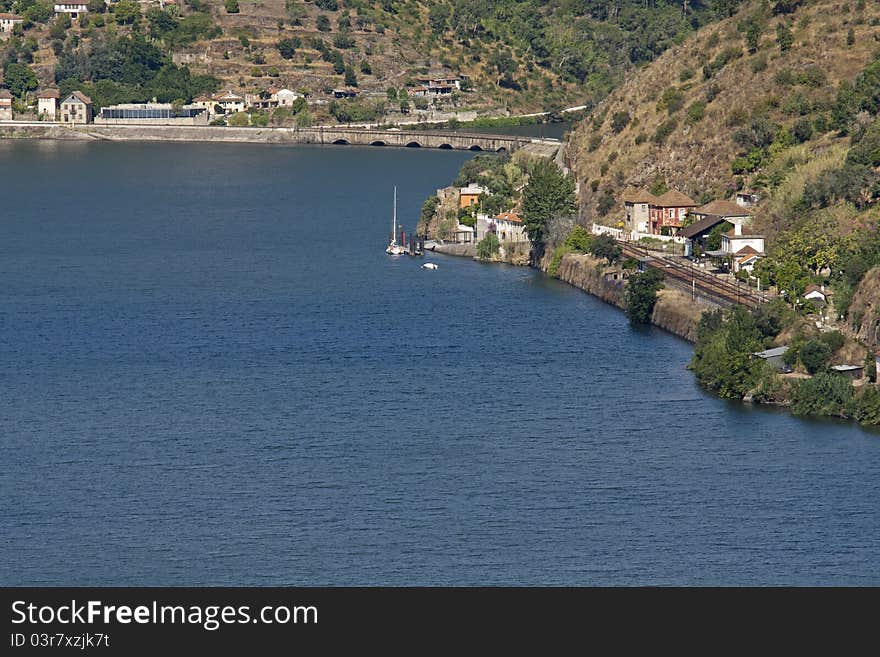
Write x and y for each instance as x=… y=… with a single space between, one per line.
x=430 y=265
x=394 y=248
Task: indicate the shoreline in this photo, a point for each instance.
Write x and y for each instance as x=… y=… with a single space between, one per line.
x=320 y=135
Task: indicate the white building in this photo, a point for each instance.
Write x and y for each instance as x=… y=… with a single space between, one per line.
x=152 y=114
x=816 y=294
x=285 y=97
x=9 y=21
x=507 y=226
x=733 y=241
x=463 y=234
x=71 y=7
x=47 y=104
x=637 y=215
x=5 y=105
x=230 y=102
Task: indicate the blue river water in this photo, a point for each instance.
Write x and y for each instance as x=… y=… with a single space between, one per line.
x=213 y=375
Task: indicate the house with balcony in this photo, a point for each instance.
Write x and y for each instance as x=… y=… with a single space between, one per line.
x=76 y=109
x=667 y=212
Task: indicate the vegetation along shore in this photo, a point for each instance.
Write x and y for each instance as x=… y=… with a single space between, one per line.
x=734 y=179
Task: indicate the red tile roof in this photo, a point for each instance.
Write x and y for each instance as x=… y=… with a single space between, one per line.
x=674 y=199
x=638 y=196
x=509 y=216
x=49 y=93
x=723 y=209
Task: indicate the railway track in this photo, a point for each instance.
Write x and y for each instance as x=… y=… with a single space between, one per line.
x=709 y=285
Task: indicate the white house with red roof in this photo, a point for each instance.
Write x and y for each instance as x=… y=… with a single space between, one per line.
x=507 y=226
x=9 y=21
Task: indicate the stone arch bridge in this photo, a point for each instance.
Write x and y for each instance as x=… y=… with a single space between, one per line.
x=418 y=139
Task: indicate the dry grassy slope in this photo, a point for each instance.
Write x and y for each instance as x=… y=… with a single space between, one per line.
x=696 y=159
x=405 y=50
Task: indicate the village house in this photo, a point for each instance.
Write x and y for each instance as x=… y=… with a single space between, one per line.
x=230 y=102
x=470 y=195
x=636 y=205
x=47 y=104
x=441 y=85
x=507 y=226
x=774 y=358
x=463 y=234
x=734 y=241
x=745 y=259
x=262 y=101
x=747 y=199
x=76 y=109
x=71 y=7
x=5 y=105
x=668 y=211
x=706 y=218
x=285 y=97
x=207 y=103
x=9 y=21
x=816 y=294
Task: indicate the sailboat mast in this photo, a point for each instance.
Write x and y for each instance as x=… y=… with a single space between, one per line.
x=394 y=230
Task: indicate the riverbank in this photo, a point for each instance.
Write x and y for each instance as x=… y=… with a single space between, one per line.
x=320 y=135
x=674 y=310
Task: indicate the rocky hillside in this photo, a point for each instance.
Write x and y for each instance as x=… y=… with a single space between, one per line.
x=517 y=55
x=708 y=116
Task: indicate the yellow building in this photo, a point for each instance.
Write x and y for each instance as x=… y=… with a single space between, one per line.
x=470 y=195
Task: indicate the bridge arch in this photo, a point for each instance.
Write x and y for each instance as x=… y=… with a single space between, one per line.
x=501 y=149
x=413 y=144
x=475 y=147
x=341 y=142
x=445 y=147
x=377 y=142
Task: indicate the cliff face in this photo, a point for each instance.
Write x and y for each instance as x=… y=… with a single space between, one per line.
x=864 y=311
x=675 y=311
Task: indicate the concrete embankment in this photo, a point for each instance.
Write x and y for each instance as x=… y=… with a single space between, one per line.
x=675 y=311
x=464 y=250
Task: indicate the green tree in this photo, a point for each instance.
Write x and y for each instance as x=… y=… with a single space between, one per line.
x=640 y=295
x=350 y=77
x=549 y=194
x=97 y=6
x=19 y=79
x=322 y=23
x=126 y=12
x=287 y=48
x=784 y=37
x=619 y=120
x=604 y=246
x=814 y=355
x=579 y=240
x=239 y=120
x=231 y=6
x=59 y=27
x=488 y=247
